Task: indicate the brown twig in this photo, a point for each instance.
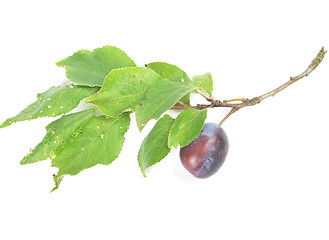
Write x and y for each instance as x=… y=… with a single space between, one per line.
x=245 y=102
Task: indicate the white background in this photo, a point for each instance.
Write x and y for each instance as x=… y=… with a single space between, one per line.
x=274 y=183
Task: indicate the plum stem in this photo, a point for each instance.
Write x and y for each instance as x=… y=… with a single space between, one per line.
x=233 y=110
x=245 y=102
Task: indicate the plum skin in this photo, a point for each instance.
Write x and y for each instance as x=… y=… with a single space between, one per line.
x=204 y=156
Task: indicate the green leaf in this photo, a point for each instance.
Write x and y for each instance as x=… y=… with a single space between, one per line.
x=204 y=81
x=172 y=73
x=90 y=68
x=59 y=135
x=154 y=147
x=53 y=102
x=163 y=96
x=99 y=142
x=123 y=89
x=186 y=127
x=169 y=71
x=57 y=180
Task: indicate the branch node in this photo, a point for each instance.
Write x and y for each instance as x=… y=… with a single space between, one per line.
x=217 y=103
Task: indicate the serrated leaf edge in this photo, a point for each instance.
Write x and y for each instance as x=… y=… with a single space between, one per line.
x=22 y=162
x=11 y=121
x=61 y=63
x=124 y=138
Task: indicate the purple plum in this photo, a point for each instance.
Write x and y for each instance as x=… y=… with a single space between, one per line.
x=206 y=154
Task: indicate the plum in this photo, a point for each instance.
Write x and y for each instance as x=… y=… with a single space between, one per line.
x=206 y=154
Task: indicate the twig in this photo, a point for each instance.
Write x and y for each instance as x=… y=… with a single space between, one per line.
x=245 y=102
